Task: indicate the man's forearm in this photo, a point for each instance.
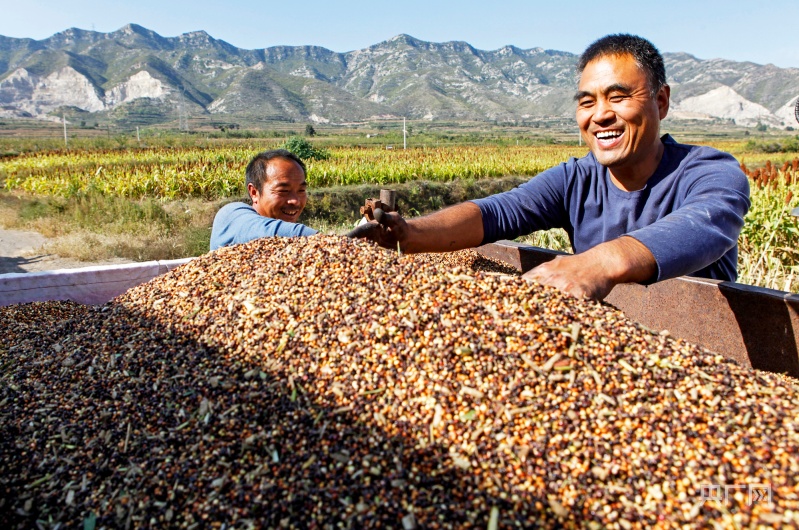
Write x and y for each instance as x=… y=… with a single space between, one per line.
x=626 y=260
x=454 y=228
x=595 y=272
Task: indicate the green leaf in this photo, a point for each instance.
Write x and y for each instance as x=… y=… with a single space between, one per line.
x=468 y=416
x=90 y=522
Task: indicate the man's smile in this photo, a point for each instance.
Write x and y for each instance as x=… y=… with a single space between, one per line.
x=607 y=139
x=608 y=134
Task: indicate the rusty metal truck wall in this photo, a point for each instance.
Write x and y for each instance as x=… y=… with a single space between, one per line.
x=757 y=327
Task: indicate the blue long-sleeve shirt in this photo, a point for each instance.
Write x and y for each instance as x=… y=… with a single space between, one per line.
x=689 y=214
x=238 y=223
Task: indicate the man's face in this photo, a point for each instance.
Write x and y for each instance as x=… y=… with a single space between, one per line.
x=618 y=116
x=283 y=194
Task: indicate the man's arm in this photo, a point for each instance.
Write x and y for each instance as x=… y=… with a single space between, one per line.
x=595 y=272
x=532 y=206
x=454 y=228
x=707 y=224
x=591 y=274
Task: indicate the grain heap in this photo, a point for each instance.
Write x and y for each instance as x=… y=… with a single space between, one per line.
x=24 y=322
x=324 y=383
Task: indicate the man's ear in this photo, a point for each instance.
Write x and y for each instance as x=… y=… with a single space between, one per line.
x=252 y=191
x=662 y=99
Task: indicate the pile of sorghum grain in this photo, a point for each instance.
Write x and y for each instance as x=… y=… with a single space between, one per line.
x=26 y=321
x=325 y=383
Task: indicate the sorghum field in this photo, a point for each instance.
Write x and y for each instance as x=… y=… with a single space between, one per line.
x=172 y=192
x=211 y=173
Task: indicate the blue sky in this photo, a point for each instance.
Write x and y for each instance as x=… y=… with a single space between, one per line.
x=761 y=31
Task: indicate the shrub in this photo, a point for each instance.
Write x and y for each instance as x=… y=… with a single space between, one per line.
x=304 y=149
x=783 y=145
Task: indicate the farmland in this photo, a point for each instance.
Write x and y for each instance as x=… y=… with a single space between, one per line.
x=212 y=173
x=158 y=201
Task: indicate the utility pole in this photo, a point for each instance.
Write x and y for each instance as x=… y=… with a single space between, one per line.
x=64 y=119
x=404 y=135
x=138 y=139
x=183 y=124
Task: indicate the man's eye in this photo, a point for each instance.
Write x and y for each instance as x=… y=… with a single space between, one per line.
x=586 y=102
x=616 y=99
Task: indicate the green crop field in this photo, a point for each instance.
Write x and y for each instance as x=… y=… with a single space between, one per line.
x=213 y=173
x=158 y=202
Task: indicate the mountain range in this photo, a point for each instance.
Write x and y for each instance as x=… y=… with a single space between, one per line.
x=136 y=76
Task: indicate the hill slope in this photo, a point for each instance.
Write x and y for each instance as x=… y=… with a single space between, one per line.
x=403 y=76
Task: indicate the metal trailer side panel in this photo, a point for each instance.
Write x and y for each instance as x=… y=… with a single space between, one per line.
x=757 y=327
x=88 y=285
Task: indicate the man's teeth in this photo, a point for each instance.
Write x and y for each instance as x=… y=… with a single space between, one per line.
x=608 y=134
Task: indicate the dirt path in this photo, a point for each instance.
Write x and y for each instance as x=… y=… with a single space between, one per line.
x=22 y=251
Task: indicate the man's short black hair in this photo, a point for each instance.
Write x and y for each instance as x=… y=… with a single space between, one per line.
x=256 y=169
x=644 y=52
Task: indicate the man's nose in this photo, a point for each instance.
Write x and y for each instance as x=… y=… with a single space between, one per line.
x=603 y=111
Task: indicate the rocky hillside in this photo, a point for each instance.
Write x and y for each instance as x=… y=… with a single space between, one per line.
x=138 y=76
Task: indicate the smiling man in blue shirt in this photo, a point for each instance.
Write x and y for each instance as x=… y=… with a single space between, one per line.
x=276 y=184
x=639 y=207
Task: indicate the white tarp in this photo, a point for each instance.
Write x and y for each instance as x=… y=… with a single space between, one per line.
x=88 y=285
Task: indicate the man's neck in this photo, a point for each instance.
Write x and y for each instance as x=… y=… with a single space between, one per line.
x=636 y=177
